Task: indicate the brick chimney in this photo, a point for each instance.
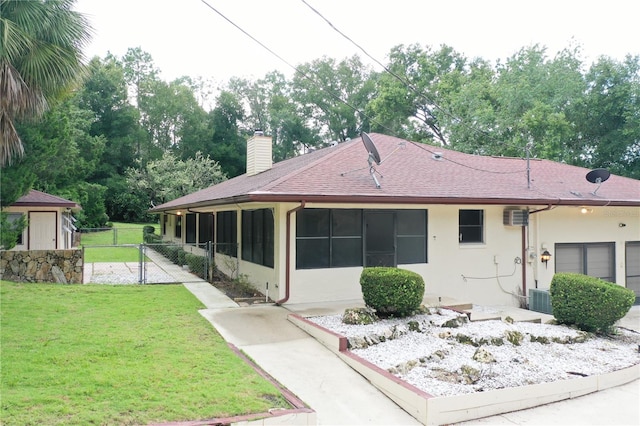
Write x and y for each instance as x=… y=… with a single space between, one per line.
x=259 y=157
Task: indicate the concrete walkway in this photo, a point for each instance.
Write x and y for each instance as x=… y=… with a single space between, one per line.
x=340 y=396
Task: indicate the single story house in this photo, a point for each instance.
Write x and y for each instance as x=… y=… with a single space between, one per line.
x=480 y=229
x=50 y=224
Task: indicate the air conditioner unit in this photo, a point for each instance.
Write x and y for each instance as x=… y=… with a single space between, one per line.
x=512 y=217
x=540 y=301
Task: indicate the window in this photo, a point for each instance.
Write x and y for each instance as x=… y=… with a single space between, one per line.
x=594 y=259
x=411 y=238
x=471 y=226
x=257 y=236
x=205 y=228
x=328 y=238
x=335 y=238
x=226 y=233
x=346 y=238
x=178 y=230
x=12 y=218
x=190 y=237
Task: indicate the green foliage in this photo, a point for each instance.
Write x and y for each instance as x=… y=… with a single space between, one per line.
x=197 y=264
x=91 y=197
x=589 y=303
x=10 y=230
x=40 y=59
x=169 y=178
x=392 y=291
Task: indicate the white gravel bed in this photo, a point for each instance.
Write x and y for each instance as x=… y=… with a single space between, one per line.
x=434 y=361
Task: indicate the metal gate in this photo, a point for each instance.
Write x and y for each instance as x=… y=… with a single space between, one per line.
x=147 y=263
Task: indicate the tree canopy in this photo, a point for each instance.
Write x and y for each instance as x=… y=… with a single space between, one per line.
x=127 y=140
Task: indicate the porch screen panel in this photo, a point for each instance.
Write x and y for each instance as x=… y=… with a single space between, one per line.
x=346 y=238
x=312 y=238
x=226 y=233
x=190 y=233
x=205 y=228
x=178 y=229
x=411 y=236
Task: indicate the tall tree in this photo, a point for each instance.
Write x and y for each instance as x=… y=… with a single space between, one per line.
x=169 y=178
x=272 y=109
x=105 y=94
x=608 y=119
x=409 y=97
x=40 y=58
x=333 y=95
x=229 y=143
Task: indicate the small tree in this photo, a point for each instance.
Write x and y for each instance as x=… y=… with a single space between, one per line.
x=10 y=230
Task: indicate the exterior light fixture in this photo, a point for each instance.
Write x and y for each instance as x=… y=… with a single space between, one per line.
x=545 y=257
x=585 y=210
x=178 y=213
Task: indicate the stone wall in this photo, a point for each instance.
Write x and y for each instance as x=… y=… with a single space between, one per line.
x=42 y=266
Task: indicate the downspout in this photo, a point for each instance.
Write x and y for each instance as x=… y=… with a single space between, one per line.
x=524 y=251
x=287 y=279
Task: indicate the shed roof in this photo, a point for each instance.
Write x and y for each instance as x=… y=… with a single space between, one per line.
x=415 y=173
x=39 y=199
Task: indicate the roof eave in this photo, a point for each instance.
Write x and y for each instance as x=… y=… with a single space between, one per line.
x=373 y=199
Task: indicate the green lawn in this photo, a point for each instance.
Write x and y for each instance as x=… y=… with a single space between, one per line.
x=122 y=233
x=98 y=354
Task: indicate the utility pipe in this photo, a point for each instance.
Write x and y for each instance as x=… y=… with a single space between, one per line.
x=287 y=279
x=524 y=251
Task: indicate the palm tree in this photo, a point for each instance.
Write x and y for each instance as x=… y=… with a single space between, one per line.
x=41 y=57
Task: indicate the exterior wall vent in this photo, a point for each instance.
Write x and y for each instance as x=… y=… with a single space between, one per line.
x=540 y=301
x=513 y=217
x=259 y=153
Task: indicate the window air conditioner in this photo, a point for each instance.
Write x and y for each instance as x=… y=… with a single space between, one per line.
x=512 y=217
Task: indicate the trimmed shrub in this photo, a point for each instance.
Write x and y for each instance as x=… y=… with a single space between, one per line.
x=148 y=229
x=392 y=291
x=197 y=264
x=587 y=302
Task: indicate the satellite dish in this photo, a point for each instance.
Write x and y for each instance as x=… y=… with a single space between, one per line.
x=371 y=148
x=598 y=176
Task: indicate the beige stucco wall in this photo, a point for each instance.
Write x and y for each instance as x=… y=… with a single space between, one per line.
x=466 y=272
x=488 y=274
x=569 y=225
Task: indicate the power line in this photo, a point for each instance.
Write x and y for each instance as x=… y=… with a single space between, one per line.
x=296 y=69
x=404 y=81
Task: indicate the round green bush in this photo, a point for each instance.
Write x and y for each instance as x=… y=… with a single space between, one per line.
x=392 y=291
x=587 y=302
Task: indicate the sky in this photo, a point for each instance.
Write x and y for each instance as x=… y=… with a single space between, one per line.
x=187 y=37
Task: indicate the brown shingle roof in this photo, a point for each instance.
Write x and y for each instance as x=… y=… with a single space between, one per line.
x=409 y=173
x=37 y=198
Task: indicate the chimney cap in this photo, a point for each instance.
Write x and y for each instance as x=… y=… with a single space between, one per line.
x=258 y=132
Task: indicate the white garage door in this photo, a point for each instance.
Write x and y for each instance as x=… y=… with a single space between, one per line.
x=594 y=259
x=632 y=263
